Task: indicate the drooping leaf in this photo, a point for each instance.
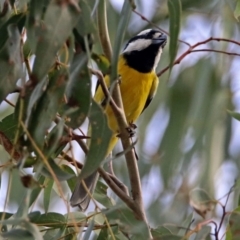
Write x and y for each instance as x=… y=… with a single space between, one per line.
x=100 y=194
x=237 y=10
x=16 y=234
x=100 y=138
x=125 y=219
x=59 y=20
x=201 y=202
x=9 y=126
x=47 y=106
x=233 y=224
x=175 y=9
x=35 y=192
x=34 y=21
x=85 y=23
x=78 y=91
x=47 y=193
x=17 y=20
x=60 y=172
x=122 y=27
x=11 y=68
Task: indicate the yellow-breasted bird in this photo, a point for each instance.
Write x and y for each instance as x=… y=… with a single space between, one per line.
x=138 y=85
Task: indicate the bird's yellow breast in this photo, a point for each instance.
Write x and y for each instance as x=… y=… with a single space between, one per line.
x=135 y=88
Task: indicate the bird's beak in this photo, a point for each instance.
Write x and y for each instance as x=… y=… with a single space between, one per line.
x=162 y=40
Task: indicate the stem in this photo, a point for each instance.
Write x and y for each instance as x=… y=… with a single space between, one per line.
x=103 y=29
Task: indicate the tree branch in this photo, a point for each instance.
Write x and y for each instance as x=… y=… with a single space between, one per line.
x=192 y=49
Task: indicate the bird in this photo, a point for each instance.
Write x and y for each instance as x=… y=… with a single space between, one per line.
x=137 y=69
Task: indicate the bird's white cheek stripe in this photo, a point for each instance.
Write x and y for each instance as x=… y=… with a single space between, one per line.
x=138 y=45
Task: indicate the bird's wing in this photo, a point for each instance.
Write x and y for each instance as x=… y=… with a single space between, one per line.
x=152 y=92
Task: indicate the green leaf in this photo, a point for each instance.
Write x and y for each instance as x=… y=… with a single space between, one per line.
x=51 y=219
x=11 y=68
x=75 y=217
x=237 y=10
x=36 y=9
x=102 y=62
x=233 y=224
x=23 y=208
x=72 y=183
x=204 y=233
x=235 y=115
x=78 y=91
x=160 y=231
x=16 y=234
x=101 y=135
x=53 y=146
x=100 y=195
x=201 y=201
x=59 y=20
x=85 y=23
x=16 y=19
x=47 y=193
x=35 y=192
x=47 y=106
x=127 y=222
x=62 y=173
x=175 y=9
x=9 y=126
x=70 y=234
x=33 y=216
x=121 y=29
x=34 y=97
x=53 y=234
x=5 y=214
x=105 y=234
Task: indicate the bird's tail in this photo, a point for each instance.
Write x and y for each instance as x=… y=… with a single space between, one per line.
x=80 y=196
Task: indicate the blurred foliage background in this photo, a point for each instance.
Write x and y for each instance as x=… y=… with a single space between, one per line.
x=187 y=139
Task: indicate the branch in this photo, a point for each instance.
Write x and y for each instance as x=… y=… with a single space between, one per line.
x=192 y=47
x=216 y=51
x=156 y=26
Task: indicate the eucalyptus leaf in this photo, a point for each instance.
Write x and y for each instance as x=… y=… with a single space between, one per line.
x=58 y=22
x=101 y=135
x=11 y=68
x=46 y=108
x=60 y=172
x=78 y=91
x=47 y=193
x=51 y=219
x=175 y=10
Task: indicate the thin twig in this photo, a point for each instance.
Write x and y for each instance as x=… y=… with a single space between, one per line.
x=10 y=103
x=156 y=26
x=192 y=49
x=216 y=51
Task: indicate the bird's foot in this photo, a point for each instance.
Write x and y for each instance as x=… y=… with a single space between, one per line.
x=131 y=129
